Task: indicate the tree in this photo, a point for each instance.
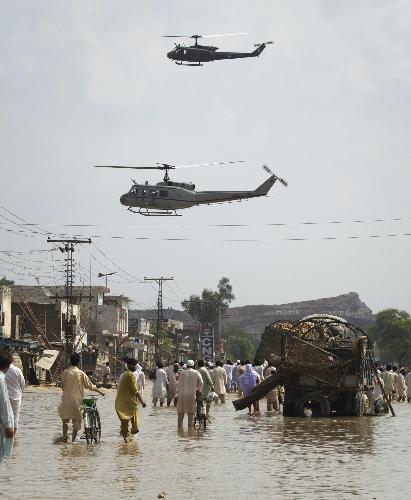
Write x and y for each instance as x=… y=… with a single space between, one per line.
x=207 y=307
x=239 y=344
x=5 y=282
x=164 y=341
x=392 y=333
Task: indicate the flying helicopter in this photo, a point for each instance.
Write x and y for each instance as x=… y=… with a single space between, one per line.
x=196 y=54
x=166 y=197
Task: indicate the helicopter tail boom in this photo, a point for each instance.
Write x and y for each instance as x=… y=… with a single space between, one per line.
x=263 y=189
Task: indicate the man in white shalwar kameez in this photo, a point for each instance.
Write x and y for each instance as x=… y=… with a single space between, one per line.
x=160 y=385
x=141 y=378
x=388 y=378
x=6 y=412
x=219 y=378
x=189 y=383
x=15 y=385
x=228 y=367
x=401 y=387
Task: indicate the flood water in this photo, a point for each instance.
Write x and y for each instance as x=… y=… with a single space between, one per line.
x=236 y=457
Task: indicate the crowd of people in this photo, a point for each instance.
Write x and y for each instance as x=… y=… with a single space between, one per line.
x=180 y=384
x=396 y=383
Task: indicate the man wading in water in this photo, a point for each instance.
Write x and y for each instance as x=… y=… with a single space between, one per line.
x=128 y=397
x=73 y=383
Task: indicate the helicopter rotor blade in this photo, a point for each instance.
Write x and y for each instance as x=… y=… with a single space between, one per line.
x=223 y=34
x=203 y=36
x=210 y=164
x=122 y=166
x=269 y=171
x=263 y=43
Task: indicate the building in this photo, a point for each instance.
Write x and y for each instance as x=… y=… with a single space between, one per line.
x=38 y=311
x=5 y=311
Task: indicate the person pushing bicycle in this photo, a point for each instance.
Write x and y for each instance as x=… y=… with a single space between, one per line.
x=73 y=383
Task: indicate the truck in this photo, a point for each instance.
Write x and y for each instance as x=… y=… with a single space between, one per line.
x=325 y=364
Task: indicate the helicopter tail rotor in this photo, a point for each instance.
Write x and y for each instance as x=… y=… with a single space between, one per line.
x=263 y=43
x=279 y=179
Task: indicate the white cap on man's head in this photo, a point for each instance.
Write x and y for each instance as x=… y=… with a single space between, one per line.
x=190 y=362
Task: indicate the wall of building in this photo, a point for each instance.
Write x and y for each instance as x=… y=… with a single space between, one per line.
x=5 y=312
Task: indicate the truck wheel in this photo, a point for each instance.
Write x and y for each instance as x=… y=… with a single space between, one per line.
x=318 y=405
x=359 y=406
x=288 y=409
x=290 y=398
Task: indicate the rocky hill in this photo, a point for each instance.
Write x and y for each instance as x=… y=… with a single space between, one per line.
x=254 y=318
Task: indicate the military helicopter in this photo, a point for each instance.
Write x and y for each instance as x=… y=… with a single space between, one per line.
x=196 y=54
x=166 y=197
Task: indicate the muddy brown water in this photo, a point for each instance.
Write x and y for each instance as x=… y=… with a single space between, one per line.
x=237 y=457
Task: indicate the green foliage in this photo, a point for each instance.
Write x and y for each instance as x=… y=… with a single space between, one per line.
x=392 y=333
x=205 y=308
x=5 y=282
x=165 y=341
x=239 y=344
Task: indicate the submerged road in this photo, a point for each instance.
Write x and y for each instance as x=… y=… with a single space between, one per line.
x=237 y=457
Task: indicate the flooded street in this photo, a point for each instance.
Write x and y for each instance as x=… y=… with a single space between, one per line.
x=237 y=457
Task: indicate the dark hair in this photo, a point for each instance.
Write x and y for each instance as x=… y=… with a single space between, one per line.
x=388 y=367
x=218 y=363
x=159 y=364
x=131 y=362
x=246 y=362
x=200 y=363
x=6 y=359
x=175 y=362
x=75 y=359
x=394 y=368
x=229 y=362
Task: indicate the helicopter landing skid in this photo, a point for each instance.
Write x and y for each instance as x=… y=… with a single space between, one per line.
x=154 y=213
x=188 y=64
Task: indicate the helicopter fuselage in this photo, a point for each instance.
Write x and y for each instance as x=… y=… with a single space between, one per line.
x=171 y=195
x=203 y=53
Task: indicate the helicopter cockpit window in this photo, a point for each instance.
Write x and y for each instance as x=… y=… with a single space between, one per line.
x=134 y=190
x=163 y=193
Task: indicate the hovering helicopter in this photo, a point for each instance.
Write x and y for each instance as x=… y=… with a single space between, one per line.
x=196 y=54
x=166 y=197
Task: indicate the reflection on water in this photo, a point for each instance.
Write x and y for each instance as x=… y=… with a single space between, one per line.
x=128 y=449
x=238 y=456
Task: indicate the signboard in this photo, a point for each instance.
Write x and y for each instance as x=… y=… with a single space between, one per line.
x=207 y=343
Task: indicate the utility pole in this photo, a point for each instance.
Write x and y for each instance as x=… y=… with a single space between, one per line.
x=159 y=322
x=70 y=322
x=102 y=275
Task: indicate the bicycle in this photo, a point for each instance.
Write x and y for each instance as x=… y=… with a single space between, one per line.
x=91 y=420
x=200 y=418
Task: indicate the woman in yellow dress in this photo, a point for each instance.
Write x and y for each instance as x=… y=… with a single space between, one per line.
x=127 y=400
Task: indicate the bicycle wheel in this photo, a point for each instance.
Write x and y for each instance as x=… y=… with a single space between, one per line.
x=97 y=427
x=87 y=420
